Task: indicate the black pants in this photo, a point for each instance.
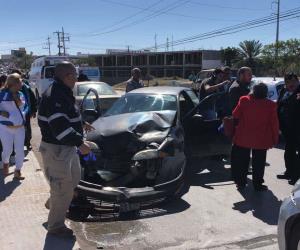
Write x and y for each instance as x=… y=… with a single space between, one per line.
x=240 y=160
x=292 y=158
x=28 y=133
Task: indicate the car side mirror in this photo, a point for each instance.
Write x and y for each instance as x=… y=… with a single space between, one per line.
x=90 y=115
x=90 y=106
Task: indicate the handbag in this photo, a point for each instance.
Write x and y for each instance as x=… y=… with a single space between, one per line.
x=24 y=122
x=229 y=124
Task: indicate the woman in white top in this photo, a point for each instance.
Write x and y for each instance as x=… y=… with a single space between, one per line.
x=13 y=108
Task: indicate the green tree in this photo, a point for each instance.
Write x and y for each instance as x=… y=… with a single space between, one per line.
x=249 y=52
x=288 y=56
x=23 y=62
x=229 y=55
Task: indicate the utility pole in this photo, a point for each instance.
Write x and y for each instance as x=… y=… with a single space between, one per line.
x=48 y=46
x=277 y=33
x=65 y=38
x=155 y=42
x=59 y=46
x=172 y=43
x=167 y=43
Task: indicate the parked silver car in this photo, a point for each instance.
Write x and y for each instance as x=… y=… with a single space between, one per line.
x=289 y=221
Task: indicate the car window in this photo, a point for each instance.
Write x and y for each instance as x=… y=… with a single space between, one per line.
x=185 y=104
x=90 y=72
x=49 y=72
x=132 y=103
x=101 y=88
x=193 y=97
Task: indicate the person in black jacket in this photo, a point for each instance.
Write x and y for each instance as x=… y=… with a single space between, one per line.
x=288 y=114
x=240 y=87
x=62 y=135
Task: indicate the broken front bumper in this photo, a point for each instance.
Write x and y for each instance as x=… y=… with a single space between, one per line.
x=130 y=195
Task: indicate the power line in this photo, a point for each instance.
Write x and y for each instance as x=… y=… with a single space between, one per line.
x=236 y=28
x=224 y=7
x=171 y=13
x=146 y=18
x=128 y=17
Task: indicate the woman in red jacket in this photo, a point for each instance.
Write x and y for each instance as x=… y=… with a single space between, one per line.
x=257 y=131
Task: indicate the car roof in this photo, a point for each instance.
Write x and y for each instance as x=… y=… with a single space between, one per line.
x=269 y=80
x=166 y=90
x=90 y=82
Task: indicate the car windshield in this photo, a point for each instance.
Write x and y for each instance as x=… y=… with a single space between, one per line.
x=90 y=72
x=132 y=103
x=101 y=88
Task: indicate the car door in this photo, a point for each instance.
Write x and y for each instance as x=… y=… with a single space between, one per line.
x=203 y=137
x=90 y=106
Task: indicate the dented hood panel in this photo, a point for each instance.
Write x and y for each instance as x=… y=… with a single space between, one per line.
x=143 y=126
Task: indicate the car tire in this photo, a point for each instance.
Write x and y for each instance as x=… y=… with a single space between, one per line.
x=183 y=187
x=294 y=239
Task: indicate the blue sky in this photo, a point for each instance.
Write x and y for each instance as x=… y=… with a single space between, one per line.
x=95 y=25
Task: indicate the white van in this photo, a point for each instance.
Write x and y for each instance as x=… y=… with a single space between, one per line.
x=41 y=74
x=93 y=73
x=274 y=85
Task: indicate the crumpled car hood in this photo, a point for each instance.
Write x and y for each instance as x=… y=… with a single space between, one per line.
x=132 y=131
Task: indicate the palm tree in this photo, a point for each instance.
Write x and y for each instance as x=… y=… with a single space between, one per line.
x=249 y=51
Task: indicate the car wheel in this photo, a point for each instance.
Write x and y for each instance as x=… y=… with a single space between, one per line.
x=182 y=189
x=295 y=237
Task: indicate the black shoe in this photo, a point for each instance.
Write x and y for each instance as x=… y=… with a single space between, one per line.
x=260 y=188
x=283 y=176
x=292 y=182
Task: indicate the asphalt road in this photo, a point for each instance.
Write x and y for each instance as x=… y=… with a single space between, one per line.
x=212 y=215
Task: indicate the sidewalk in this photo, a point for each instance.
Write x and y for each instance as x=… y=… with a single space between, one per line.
x=22 y=211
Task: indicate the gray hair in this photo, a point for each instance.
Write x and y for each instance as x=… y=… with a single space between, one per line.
x=64 y=68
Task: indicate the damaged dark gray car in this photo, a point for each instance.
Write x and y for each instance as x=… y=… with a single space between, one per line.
x=142 y=144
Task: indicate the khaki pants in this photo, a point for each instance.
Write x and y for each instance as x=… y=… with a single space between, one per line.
x=61 y=167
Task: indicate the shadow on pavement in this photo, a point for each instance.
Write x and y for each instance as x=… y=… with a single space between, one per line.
x=264 y=206
x=6 y=189
x=52 y=242
x=207 y=172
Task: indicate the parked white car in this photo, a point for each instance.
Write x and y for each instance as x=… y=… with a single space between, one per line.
x=274 y=85
x=106 y=94
x=289 y=221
